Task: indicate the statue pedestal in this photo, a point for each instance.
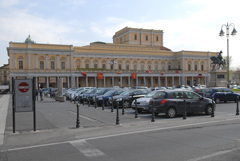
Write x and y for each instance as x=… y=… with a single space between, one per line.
x=218 y=78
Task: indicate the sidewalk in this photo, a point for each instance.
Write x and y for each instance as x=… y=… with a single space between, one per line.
x=4 y=101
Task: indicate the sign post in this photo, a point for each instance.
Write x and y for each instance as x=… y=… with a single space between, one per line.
x=24 y=98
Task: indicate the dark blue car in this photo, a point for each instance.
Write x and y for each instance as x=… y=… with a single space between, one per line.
x=209 y=93
x=100 y=91
x=225 y=95
x=108 y=96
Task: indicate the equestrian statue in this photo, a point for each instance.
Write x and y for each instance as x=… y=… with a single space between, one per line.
x=218 y=61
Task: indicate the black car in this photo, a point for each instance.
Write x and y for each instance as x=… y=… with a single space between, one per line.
x=128 y=97
x=84 y=97
x=100 y=91
x=107 y=96
x=225 y=95
x=172 y=103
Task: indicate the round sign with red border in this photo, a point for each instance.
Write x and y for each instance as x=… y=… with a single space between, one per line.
x=23 y=87
x=199 y=75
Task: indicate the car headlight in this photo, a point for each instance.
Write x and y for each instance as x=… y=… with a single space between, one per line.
x=119 y=99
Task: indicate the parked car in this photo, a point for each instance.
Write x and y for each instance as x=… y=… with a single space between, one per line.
x=171 y=103
x=139 y=87
x=158 y=88
x=83 y=97
x=201 y=91
x=107 y=97
x=80 y=92
x=128 y=97
x=225 y=95
x=99 y=92
x=209 y=93
x=143 y=103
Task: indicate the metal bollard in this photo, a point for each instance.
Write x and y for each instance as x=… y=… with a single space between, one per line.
x=136 y=111
x=88 y=101
x=117 y=119
x=184 y=112
x=213 y=109
x=112 y=105
x=102 y=102
x=95 y=102
x=70 y=98
x=123 y=111
x=74 y=99
x=79 y=98
x=153 y=115
x=237 y=111
x=78 y=121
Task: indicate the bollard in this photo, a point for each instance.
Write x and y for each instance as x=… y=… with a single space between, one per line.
x=112 y=105
x=237 y=111
x=184 y=112
x=136 y=111
x=74 y=99
x=70 y=98
x=213 y=108
x=79 y=98
x=95 y=102
x=123 y=112
x=102 y=102
x=77 y=122
x=153 y=115
x=117 y=119
x=88 y=101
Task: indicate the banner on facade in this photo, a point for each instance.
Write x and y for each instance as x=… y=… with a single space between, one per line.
x=163 y=73
x=134 y=75
x=84 y=74
x=119 y=72
x=100 y=76
x=149 y=71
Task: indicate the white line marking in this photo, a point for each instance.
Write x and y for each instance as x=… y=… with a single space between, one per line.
x=121 y=134
x=3 y=115
x=213 y=155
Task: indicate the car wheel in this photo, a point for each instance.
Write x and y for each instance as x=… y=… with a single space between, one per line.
x=217 y=100
x=171 y=112
x=126 y=104
x=139 y=110
x=107 y=103
x=208 y=110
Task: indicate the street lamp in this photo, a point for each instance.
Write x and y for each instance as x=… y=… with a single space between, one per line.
x=222 y=34
x=113 y=62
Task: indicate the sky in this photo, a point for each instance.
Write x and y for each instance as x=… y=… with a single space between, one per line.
x=192 y=25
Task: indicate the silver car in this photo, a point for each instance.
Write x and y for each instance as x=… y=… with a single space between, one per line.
x=143 y=103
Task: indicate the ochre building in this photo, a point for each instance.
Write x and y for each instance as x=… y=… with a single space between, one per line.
x=136 y=57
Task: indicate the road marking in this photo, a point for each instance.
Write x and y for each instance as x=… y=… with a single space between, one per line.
x=120 y=134
x=213 y=155
x=3 y=115
x=89 y=151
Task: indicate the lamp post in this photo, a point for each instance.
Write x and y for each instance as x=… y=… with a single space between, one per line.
x=227 y=34
x=113 y=62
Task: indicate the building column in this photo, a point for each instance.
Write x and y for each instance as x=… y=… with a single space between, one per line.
x=173 y=81
x=152 y=81
x=95 y=81
x=121 y=81
x=35 y=82
x=192 y=81
x=72 y=82
x=144 y=79
x=104 y=81
x=47 y=82
x=166 y=81
x=179 y=79
x=91 y=65
x=129 y=84
x=86 y=81
x=159 y=81
x=77 y=82
x=68 y=82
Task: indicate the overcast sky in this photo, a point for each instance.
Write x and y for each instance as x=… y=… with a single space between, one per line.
x=187 y=24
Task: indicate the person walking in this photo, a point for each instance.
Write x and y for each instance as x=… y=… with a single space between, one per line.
x=36 y=92
x=41 y=94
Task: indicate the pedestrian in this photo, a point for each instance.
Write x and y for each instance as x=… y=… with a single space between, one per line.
x=36 y=94
x=41 y=94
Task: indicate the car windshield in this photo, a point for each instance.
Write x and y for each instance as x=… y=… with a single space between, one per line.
x=90 y=91
x=151 y=94
x=127 y=93
x=109 y=92
x=100 y=91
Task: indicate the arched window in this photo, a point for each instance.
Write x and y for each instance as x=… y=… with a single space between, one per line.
x=120 y=65
x=127 y=65
x=63 y=63
x=78 y=63
x=41 y=62
x=155 y=66
x=52 y=63
x=163 y=66
x=87 y=64
x=20 y=62
x=104 y=64
x=95 y=64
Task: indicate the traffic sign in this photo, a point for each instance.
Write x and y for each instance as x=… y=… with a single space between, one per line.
x=23 y=87
x=199 y=75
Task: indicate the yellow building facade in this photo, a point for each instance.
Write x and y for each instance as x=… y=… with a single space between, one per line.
x=5 y=79
x=139 y=51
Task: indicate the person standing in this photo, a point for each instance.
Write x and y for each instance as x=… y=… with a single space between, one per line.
x=41 y=94
x=36 y=92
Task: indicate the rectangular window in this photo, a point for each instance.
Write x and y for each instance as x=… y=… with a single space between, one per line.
x=135 y=66
x=149 y=81
x=20 y=64
x=157 y=38
x=189 y=67
x=149 y=67
x=134 y=81
x=119 y=66
x=169 y=67
x=179 y=67
x=163 y=81
x=195 y=67
x=135 y=37
x=62 y=65
x=163 y=67
x=142 y=67
x=111 y=66
x=5 y=72
x=86 y=65
x=52 y=65
x=5 y=79
x=41 y=64
x=127 y=66
x=78 y=65
x=142 y=82
x=146 y=38
x=202 y=67
x=156 y=67
x=104 y=66
x=95 y=65
x=156 y=81
x=127 y=81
